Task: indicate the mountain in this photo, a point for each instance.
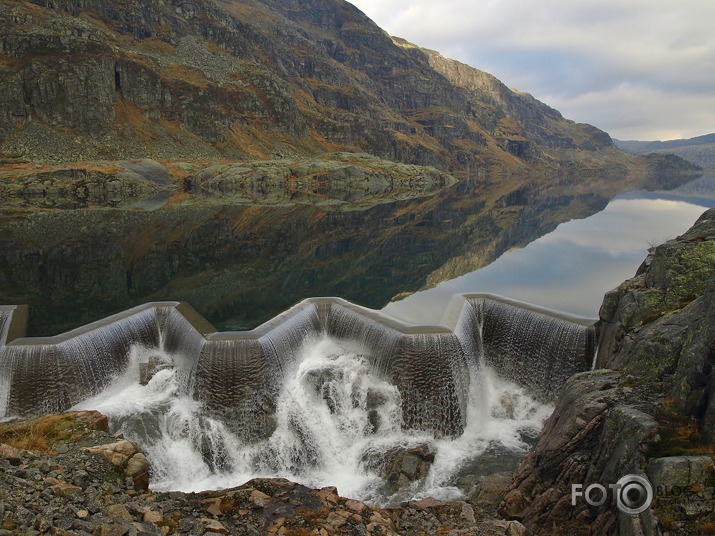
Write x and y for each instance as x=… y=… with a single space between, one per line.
x=85 y=80
x=699 y=150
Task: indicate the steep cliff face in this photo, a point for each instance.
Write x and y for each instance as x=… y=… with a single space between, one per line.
x=514 y=118
x=91 y=79
x=660 y=325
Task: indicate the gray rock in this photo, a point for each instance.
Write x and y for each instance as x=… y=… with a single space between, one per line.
x=404 y=466
x=119 y=512
x=681 y=471
x=11 y=454
x=117 y=453
x=490 y=490
x=671 y=471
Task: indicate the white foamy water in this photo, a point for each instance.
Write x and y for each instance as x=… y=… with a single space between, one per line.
x=334 y=419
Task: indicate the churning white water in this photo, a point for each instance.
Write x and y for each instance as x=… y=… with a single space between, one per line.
x=334 y=422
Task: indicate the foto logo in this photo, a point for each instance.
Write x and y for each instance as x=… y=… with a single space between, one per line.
x=633 y=494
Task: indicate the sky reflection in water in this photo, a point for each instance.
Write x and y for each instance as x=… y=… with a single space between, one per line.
x=571 y=268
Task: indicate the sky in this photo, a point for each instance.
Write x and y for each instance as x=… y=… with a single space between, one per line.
x=638 y=69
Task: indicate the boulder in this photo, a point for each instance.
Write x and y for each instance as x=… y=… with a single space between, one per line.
x=681 y=471
x=138 y=470
x=490 y=491
x=593 y=436
x=117 y=453
x=11 y=454
x=126 y=456
x=401 y=466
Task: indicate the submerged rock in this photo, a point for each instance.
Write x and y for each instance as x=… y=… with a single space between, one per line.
x=400 y=466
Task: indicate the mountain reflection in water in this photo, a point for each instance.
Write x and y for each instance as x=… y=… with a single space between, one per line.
x=241 y=265
x=572 y=267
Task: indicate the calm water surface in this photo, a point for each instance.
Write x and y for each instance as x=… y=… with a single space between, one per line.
x=571 y=268
x=241 y=265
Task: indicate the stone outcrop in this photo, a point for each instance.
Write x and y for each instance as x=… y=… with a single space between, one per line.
x=647 y=410
x=660 y=325
x=127 y=457
x=349 y=181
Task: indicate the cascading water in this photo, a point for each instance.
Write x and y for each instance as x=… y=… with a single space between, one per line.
x=327 y=393
x=337 y=421
x=5 y=371
x=542 y=350
x=49 y=375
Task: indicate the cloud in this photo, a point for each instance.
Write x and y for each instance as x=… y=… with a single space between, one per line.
x=641 y=112
x=589 y=59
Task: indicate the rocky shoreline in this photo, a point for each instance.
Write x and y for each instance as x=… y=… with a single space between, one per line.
x=648 y=410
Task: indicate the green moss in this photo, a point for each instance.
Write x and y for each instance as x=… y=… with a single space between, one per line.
x=650 y=306
x=683 y=272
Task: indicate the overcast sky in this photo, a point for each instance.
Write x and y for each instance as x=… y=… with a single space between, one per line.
x=638 y=69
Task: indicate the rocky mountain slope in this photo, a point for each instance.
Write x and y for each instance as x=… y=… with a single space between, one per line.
x=699 y=150
x=249 y=79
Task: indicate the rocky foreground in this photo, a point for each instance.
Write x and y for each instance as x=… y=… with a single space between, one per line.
x=649 y=410
x=70 y=476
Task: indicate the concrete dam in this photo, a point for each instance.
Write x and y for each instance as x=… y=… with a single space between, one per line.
x=238 y=375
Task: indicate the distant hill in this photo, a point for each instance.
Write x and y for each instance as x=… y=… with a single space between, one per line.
x=699 y=150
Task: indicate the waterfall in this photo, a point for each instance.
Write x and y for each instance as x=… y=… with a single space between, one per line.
x=326 y=393
x=336 y=421
x=48 y=375
x=238 y=375
x=184 y=337
x=5 y=368
x=537 y=350
x=428 y=366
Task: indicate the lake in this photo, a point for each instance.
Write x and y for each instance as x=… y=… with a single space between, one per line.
x=571 y=268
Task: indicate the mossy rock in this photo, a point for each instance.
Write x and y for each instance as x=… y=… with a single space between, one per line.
x=682 y=270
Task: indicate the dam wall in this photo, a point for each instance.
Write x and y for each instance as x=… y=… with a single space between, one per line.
x=238 y=376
